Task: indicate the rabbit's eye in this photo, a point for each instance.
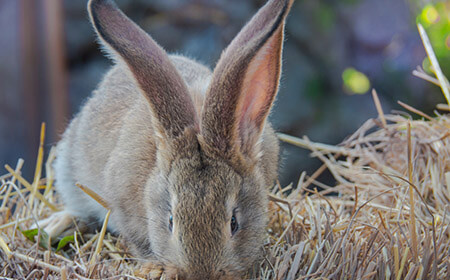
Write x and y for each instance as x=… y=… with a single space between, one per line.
x=234 y=225
x=170 y=223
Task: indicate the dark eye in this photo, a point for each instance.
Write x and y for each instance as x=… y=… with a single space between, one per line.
x=234 y=225
x=170 y=223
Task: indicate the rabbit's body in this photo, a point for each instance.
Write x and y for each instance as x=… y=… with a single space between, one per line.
x=183 y=156
x=119 y=156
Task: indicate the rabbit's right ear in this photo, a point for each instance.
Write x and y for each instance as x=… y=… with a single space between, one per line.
x=244 y=86
x=157 y=77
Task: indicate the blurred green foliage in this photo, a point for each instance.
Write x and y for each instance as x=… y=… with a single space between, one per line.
x=355 y=81
x=435 y=18
x=325 y=16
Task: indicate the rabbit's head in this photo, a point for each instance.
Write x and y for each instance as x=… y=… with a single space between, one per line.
x=206 y=198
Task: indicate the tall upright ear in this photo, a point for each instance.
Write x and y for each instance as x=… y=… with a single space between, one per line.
x=157 y=77
x=244 y=85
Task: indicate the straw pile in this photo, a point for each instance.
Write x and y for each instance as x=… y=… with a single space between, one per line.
x=386 y=218
x=390 y=218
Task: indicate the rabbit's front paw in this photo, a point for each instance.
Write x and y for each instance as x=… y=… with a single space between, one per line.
x=158 y=271
x=56 y=224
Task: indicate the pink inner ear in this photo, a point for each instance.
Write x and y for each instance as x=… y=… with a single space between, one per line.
x=259 y=89
x=255 y=96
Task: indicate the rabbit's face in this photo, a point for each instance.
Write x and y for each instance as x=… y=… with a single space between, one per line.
x=210 y=220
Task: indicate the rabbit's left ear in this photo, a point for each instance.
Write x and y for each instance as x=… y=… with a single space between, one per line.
x=158 y=79
x=244 y=84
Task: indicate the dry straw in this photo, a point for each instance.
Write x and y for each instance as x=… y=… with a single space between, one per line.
x=387 y=217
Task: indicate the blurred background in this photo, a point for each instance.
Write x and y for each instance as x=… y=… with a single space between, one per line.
x=335 y=53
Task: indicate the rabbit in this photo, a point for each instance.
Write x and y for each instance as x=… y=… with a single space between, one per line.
x=182 y=155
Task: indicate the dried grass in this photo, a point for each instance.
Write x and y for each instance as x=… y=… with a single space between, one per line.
x=387 y=216
x=390 y=217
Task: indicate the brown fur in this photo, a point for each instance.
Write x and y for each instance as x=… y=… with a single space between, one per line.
x=164 y=136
